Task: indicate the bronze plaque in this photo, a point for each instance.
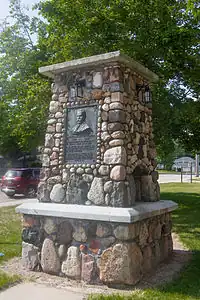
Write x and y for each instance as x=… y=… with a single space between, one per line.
x=81 y=134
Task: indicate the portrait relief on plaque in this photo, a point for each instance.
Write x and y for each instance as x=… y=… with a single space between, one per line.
x=81 y=134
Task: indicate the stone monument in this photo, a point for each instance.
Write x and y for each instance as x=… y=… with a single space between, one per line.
x=99 y=217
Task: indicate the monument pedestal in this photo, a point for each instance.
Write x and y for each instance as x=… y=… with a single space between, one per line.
x=99 y=218
x=97 y=244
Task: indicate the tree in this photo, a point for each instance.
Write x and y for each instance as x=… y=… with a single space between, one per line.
x=162 y=34
x=25 y=94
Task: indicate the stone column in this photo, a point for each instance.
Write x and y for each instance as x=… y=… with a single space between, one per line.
x=99 y=134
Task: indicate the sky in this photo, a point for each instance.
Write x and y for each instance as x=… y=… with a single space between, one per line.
x=4 y=11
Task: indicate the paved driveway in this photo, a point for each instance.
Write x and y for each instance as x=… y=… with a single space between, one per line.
x=15 y=200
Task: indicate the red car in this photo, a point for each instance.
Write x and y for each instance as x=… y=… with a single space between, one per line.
x=20 y=181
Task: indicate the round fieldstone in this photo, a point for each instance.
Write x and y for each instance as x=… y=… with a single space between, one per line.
x=115 y=127
x=103 y=230
x=105 y=136
x=71 y=267
x=105 y=107
x=116 y=142
x=108 y=187
x=79 y=234
x=96 y=192
x=62 y=251
x=104 y=115
x=88 y=170
x=51 y=128
x=54 y=97
x=64 y=233
x=107 y=100
x=80 y=171
x=59 y=127
x=87 y=177
x=104 y=126
x=30 y=256
x=118 y=135
x=57 y=194
x=49 y=225
x=50 y=260
x=54 y=107
x=58 y=115
x=116 y=105
x=117 y=116
x=51 y=121
x=115 y=155
x=118 y=173
x=45 y=160
x=103 y=170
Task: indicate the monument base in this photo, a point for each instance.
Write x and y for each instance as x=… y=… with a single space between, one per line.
x=96 y=244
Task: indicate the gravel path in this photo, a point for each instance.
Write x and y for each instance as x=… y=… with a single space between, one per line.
x=165 y=273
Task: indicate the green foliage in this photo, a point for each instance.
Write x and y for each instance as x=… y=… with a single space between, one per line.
x=162 y=34
x=25 y=94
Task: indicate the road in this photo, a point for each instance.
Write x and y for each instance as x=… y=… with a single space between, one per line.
x=165 y=178
x=15 y=200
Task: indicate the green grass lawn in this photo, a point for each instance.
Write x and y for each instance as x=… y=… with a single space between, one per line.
x=186 y=221
x=10 y=240
x=168 y=172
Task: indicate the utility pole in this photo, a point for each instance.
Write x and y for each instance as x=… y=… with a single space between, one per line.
x=197 y=165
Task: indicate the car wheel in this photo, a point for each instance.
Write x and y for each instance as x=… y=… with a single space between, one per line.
x=31 y=192
x=10 y=195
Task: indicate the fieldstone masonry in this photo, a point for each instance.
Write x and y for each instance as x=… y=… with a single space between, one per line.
x=98 y=152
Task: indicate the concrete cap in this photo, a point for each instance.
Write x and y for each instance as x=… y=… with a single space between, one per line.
x=141 y=210
x=117 y=56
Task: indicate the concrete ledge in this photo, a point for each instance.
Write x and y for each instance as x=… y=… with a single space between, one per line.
x=140 y=211
x=95 y=60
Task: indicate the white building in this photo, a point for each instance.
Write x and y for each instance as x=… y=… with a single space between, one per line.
x=185 y=163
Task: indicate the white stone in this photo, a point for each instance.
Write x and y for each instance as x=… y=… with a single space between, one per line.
x=58 y=115
x=57 y=142
x=118 y=173
x=115 y=155
x=97 y=80
x=30 y=257
x=54 y=107
x=59 y=127
x=96 y=192
x=104 y=126
x=57 y=194
x=118 y=135
x=105 y=107
x=45 y=160
x=71 y=267
x=116 y=142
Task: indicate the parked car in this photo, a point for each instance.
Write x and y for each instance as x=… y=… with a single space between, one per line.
x=20 y=181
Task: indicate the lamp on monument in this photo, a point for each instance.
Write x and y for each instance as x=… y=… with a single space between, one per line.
x=147 y=94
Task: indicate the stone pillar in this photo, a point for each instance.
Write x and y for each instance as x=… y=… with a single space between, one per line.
x=99 y=134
